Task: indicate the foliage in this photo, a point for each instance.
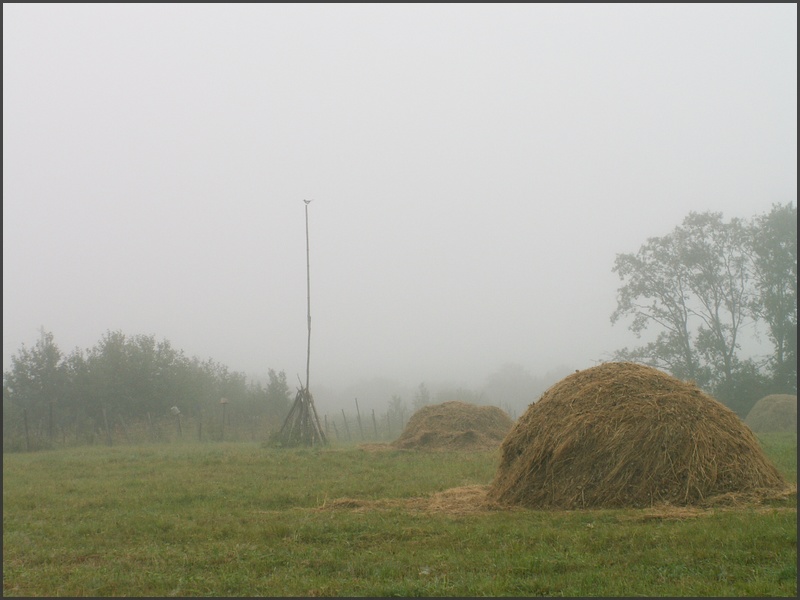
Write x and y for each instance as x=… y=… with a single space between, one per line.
x=121 y=380
x=699 y=287
x=35 y=386
x=774 y=248
x=397 y=413
x=272 y=402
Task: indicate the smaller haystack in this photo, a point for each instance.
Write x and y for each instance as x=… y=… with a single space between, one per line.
x=624 y=435
x=773 y=413
x=455 y=426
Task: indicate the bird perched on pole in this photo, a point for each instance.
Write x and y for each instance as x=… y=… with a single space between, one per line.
x=308 y=201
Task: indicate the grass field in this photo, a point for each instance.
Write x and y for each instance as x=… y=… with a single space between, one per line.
x=236 y=519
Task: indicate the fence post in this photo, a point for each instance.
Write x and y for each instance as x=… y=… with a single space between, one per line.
x=27 y=434
x=346 y=426
x=358 y=417
x=108 y=430
x=224 y=402
x=124 y=429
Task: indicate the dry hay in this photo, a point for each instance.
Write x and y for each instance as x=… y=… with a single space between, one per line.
x=623 y=435
x=666 y=512
x=774 y=413
x=455 y=426
x=454 y=501
x=473 y=499
x=375 y=447
x=460 y=500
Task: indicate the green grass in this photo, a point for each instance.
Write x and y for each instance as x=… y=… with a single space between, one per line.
x=782 y=449
x=226 y=519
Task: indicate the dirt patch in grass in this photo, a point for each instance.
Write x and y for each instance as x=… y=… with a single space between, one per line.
x=624 y=435
x=455 y=426
x=773 y=413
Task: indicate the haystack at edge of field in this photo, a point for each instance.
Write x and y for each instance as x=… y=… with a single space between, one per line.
x=624 y=435
x=774 y=413
x=455 y=426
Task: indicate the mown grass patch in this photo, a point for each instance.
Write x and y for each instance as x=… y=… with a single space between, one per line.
x=237 y=519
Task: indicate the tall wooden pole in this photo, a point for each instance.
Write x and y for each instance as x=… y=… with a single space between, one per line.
x=321 y=433
x=303 y=421
x=308 y=297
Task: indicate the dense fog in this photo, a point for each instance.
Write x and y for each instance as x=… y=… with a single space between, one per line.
x=474 y=170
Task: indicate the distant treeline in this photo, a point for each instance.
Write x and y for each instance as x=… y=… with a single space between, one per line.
x=135 y=388
x=124 y=379
x=698 y=288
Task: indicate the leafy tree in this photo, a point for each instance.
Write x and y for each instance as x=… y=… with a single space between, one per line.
x=132 y=376
x=124 y=379
x=35 y=383
x=656 y=293
x=83 y=413
x=202 y=386
x=231 y=384
x=694 y=285
x=747 y=385
x=397 y=411
x=774 y=247
x=278 y=396
x=271 y=403
x=213 y=382
x=111 y=381
x=715 y=256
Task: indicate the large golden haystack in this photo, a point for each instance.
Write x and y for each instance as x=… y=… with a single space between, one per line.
x=454 y=426
x=773 y=413
x=626 y=435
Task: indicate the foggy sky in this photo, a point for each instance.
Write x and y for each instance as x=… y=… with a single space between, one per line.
x=475 y=169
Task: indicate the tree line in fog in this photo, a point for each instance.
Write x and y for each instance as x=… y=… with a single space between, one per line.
x=126 y=378
x=698 y=292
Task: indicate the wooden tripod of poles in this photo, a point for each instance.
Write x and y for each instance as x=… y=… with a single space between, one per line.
x=302 y=426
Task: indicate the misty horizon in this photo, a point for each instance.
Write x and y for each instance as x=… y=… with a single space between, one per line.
x=474 y=171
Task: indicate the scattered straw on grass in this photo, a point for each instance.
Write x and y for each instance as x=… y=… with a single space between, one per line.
x=474 y=499
x=455 y=501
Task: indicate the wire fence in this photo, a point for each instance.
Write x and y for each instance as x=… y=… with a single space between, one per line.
x=24 y=433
